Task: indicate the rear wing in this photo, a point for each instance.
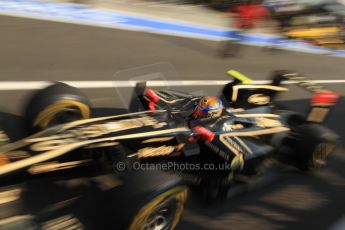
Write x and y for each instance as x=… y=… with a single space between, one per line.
x=243 y=93
x=323 y=98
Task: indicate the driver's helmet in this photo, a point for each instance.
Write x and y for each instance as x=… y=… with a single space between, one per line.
x=208 y=107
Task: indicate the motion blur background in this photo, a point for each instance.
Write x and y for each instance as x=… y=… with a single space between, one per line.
x=87 y=42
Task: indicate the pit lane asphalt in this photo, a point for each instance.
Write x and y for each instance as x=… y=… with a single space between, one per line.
x=33 y=50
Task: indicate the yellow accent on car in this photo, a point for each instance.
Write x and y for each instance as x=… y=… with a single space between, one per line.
x=239 y=76
x=237 y=163
x=46 y=115
x=312 y=32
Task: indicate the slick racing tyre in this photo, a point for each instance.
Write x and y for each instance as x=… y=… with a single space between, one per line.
x=314 y=144
x=54 y=105
x=162 y=212
x=148 y=201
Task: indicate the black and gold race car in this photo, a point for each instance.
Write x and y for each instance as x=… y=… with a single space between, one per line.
x=102 y=172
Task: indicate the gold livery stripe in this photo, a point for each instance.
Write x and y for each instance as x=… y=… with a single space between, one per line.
x=157 y=139
x=236 y=88
x=244 y=115
x=15 y=219
x=244 y=145
x=24 y=142
x=256 y=132
x=249 y=133
x=63 y=150
x=54 y=166
x=86 y=121
x=10 y=195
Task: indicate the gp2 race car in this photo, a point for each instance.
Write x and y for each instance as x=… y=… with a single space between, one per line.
x=323 y=30
x=73 y=157
x=320 y=23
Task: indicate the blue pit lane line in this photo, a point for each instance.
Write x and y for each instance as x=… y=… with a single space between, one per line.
x=73 y=13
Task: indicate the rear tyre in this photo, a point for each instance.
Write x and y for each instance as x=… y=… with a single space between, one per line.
x=54 y=105
x=315 y=143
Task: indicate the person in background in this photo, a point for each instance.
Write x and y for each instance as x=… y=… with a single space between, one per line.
x=246 y=16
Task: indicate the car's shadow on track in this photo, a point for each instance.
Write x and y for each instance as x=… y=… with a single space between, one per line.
x=293 y=200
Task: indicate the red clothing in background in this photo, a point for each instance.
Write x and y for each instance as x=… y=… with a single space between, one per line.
x=248 y=15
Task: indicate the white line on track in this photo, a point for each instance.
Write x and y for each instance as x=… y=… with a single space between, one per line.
x=28 y=85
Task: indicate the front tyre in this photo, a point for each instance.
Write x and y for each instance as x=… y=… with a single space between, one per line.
x=163 y=212
x=147 y=200
x=54 y=105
